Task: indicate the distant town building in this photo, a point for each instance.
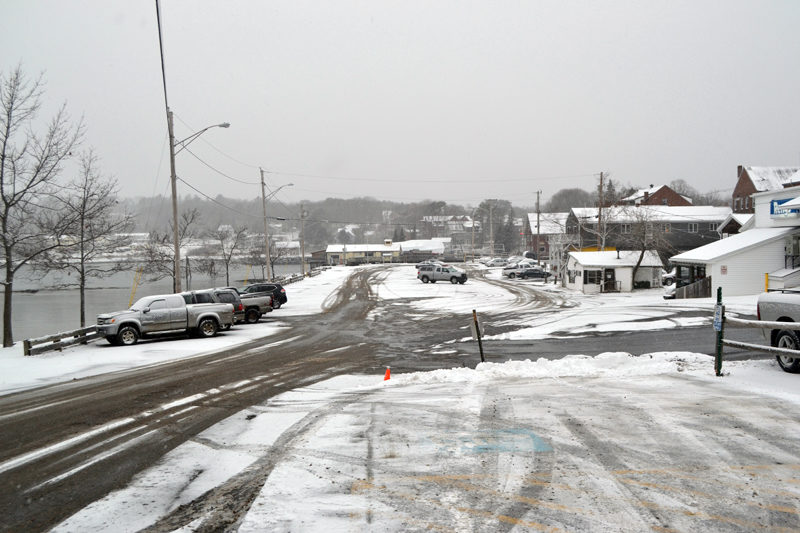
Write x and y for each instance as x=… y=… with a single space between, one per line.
x=656 y=195
x=751 y=180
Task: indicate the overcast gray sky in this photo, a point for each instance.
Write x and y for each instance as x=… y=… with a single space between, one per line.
x=410 y=100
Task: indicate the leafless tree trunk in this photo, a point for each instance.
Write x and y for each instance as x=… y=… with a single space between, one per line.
x=96 y=230
x=29 y=167
x=230 y=240
x=160 y=252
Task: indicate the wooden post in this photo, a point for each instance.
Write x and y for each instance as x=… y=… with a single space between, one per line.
x=478 y=333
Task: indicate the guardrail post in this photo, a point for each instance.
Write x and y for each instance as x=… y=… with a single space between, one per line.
x=719 y=325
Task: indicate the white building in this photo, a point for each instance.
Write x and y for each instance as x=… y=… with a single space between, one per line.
x=612 y=271
x=766 y=251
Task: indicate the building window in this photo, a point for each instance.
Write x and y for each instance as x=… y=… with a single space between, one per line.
x=712 y=226
x=663 y=201
x=737 y=202
x=592 y=277
x=692 y=227
x=626 y=228
x=665 y=228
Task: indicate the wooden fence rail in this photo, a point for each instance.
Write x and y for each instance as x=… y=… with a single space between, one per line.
x=57 y=342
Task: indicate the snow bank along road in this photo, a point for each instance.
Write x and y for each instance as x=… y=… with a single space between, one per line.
x=66 y=445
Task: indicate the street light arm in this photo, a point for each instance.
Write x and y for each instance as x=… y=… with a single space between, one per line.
x=188 y=140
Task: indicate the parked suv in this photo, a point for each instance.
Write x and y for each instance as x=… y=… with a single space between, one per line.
x=275 y=290
x=434 y=273
x=208 y=296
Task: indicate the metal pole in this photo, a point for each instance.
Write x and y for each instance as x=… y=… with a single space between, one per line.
x=176 y=287
x=303 y=238
x=266 y=230
x=720 y=335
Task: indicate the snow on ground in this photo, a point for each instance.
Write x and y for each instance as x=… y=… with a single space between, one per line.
x=581 y=314
x=325 y=482
x=322 y=481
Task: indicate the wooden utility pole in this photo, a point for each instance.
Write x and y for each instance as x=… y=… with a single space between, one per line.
x=538 y=225
x=266 y=229
x=601 y=235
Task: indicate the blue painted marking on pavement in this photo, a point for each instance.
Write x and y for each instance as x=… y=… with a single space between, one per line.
x=504 y=440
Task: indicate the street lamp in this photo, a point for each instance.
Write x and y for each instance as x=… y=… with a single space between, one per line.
x=264 y=198
x=174 y=180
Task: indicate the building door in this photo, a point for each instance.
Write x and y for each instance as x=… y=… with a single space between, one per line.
x=609 y=280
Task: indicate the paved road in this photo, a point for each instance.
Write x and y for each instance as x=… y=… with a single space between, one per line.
x=67 y=445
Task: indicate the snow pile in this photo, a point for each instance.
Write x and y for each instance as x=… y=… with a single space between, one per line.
x=620 y=364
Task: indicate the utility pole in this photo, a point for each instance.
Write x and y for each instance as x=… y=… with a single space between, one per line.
x=538 y=225
x=601 y=235
x=176 y=287
x=303 y=238
x=266 y=230
x=491 y=228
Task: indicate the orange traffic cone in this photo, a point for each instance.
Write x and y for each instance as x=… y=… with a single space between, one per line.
x=388 y=374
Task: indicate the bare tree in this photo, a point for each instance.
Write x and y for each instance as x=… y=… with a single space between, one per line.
x=96 y=230
x=30 y=163
x=159 y=251
x=277 y=253
x=645 y=234
x=230 y=240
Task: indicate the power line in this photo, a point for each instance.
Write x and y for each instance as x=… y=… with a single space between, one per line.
x=219 y=171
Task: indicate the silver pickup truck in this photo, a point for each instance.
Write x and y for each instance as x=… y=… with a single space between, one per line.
x=782 y=306
x=163 y=313
x=433 y=273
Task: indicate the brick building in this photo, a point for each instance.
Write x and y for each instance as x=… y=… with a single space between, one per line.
x=751 y=180
x=657 y=195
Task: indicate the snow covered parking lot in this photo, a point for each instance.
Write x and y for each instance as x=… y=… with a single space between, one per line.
x=606 y=443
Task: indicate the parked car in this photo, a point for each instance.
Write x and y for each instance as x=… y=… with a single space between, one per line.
x=434 y=273
x=429 y=262
x=515 y=269
x=275 y=290
x=163 y=313
x=253 y=306
x=496 y=262
x=781 y=306
x=668 y=278
x=534 y=272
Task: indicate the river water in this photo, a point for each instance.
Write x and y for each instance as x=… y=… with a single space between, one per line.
x=51 y=310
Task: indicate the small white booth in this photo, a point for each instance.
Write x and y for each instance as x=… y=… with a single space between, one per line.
x=612 y=271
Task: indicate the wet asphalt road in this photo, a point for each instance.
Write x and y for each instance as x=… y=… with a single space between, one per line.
x=67 y=445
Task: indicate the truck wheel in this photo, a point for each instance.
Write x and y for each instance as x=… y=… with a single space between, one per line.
x=425 y=279
x=512 y=276
x=127 y=336
x=788 y=339
x=276 y=304
x=207 y=327
x=252 y=316
x=454 y=280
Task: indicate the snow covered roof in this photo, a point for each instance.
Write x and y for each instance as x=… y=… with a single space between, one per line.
x=772 y=178
x=612 y=258
x=732 y=245
x=551 y=223
x=654 y=213
x=435 y=246
x=739 y=218
x=340 y=248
